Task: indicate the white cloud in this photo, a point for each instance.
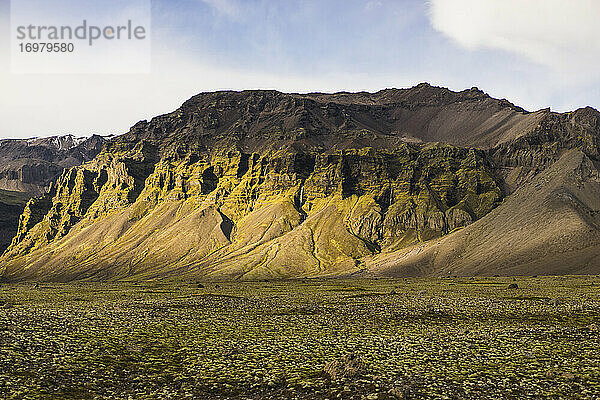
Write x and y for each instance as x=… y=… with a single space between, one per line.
x=48 y=104
x=42 y=105
x=559 y=34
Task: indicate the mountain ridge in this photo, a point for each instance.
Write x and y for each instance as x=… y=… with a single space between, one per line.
x=29 y=165
x=390 y=112
x=255 y=184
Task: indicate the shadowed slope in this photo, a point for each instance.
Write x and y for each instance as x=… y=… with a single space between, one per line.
x=28 y=166
x=11 y=206
x=550 y=225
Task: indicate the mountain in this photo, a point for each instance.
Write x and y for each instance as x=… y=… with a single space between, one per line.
x=27 y=166
x=263 y=184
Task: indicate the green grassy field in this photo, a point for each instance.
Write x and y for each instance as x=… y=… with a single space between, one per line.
x=379 y=339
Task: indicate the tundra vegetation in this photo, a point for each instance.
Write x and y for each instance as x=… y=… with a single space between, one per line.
x=482 y=337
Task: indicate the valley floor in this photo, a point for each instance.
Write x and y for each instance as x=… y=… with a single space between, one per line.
x=373 y=339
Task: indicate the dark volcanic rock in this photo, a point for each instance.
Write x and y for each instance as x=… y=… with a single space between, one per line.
x=11 y=206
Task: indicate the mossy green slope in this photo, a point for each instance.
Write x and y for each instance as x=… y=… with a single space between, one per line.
x=247 y=216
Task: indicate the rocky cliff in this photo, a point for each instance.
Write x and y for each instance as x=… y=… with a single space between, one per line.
x=11 y=206
x=255 y=184
x=29 y=165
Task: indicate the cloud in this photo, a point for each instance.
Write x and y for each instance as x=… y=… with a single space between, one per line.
x=561 y=35
x=41 y=105
x=204 y=45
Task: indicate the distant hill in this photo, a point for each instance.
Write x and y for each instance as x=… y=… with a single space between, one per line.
x=263 y=184
x=27 y=166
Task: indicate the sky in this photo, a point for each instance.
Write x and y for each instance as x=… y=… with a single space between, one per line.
x=535 y=53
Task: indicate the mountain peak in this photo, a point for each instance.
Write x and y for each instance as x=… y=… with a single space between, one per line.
x=260 y=120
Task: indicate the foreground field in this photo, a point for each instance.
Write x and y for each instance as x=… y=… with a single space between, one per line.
x=372 y=339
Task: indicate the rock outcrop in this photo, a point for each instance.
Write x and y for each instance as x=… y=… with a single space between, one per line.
x=28 y=166
x=550 y=225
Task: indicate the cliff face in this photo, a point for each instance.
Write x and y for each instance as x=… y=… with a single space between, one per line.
x=350 y=203
x=28 y=166
x=264 y=184
x=549 y=225
x=11 y=206
x=259 y=121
